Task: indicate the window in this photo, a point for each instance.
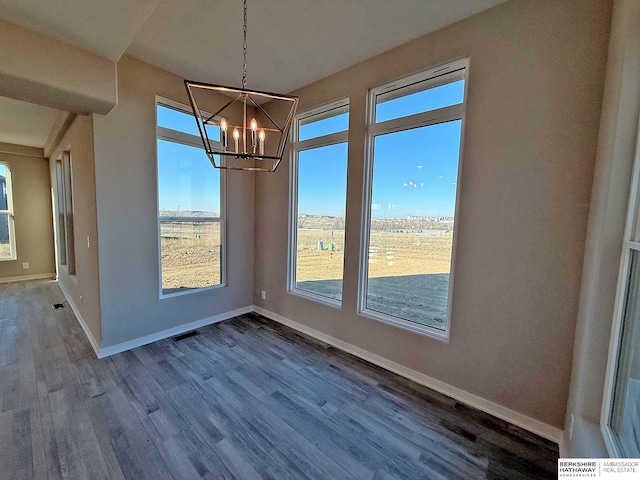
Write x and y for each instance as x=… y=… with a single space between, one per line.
x=64 y=191
x=318 y=202
x=621 y=415
x=190 y=205
x=412 y=170
x=62 y=236
x=7 y=230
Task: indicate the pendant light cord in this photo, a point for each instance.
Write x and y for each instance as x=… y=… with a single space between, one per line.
x=244 y=49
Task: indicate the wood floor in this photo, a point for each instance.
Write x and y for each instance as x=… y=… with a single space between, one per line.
x=246 y=398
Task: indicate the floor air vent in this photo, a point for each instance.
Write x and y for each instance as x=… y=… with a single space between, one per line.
x=177 y=338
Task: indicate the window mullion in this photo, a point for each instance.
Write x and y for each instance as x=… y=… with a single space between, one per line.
x=442 y=115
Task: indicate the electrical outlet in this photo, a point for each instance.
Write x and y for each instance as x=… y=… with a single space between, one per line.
x=25 y=265
x=571 y=420
x=263 y=295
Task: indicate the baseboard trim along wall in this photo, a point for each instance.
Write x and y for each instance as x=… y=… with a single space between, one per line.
x=83 y=324
x=170 y=332
x=535 y=426
x=24 y=278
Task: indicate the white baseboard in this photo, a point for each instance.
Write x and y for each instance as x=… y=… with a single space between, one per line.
x=83 y=324
x=24 y=278
x=535 y=426
x=170 y=332
x=562 y=447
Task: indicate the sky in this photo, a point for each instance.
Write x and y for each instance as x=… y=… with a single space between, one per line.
x=186 y=179
x=415 y=171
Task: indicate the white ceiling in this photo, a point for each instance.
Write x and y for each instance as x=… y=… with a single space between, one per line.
x=24 y=123
x=291 y=42
x=105 y=27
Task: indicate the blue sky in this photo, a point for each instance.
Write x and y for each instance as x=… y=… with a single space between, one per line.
x=322 y=180
x=415 y=171
x=186 y=179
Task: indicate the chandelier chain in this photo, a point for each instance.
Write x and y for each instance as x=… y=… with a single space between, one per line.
x=244 y=48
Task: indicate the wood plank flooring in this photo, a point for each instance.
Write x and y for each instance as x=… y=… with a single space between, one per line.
x=246 y=399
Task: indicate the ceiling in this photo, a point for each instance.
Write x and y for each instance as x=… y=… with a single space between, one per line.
x=104 y=27
x=24 y=123
x=291 y=42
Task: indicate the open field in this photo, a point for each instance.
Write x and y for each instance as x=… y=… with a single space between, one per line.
x=409 y=263
x=390 y=254
x=408 y=267
x=190 y=255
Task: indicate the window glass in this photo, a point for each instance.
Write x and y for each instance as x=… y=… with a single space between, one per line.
x=322 y=184
x=625 y=419
x=423 y=101
x=411 y=227
x=7 y=240
x=312 y=128
x=67 y=176
x=4 y=200
x=190 y=218
x=62 y=230
x=183 y=122
x=5 y=236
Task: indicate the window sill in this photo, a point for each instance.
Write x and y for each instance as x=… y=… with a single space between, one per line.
x=190 y=291
x=424 y=330
x=8 y=259
x=315 y=298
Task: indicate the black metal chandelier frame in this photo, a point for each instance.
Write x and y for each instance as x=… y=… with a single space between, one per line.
x=249 y=140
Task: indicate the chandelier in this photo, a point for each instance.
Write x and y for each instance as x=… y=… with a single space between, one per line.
x=245 y=136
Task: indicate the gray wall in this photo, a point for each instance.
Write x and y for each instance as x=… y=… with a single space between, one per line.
x=126 y=190
x=83 y=287
x=535 y=88
x=32 y=209
x=616 y=147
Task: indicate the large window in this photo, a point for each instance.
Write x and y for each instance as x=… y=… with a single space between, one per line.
x=190 y=205
x=7 y=230
x=318 y=196
x=621 y=406
x=413 y=145
x=64 y=194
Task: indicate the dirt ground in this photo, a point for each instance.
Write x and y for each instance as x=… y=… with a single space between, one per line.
x=390 y=254
x=190 y=255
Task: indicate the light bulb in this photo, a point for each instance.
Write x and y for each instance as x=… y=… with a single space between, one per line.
x=262 y=135
x=236 y=136
x=254 y=124
x=223 y=129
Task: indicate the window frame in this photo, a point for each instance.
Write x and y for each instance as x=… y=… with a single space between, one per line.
x=630 y=244
x=318 y=113
x=10 y=216
x=431 y=78
x=182 y=138
x=67 y=202
x=60 y=214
